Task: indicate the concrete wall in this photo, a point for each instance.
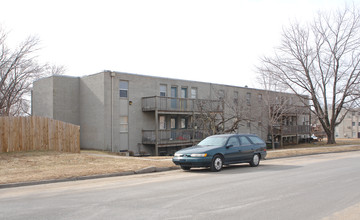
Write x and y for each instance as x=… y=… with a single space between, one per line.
x=42 y=97
x=66 y=102
x=92 y=110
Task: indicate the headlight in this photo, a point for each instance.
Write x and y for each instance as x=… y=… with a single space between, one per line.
x=198 y=155
x=178 y=155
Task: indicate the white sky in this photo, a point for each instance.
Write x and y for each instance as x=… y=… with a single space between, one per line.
x=203 y=40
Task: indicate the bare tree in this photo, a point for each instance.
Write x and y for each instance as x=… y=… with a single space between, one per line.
x=321 y=60
x=18 y=69
x=273 y=104
x=225 y=117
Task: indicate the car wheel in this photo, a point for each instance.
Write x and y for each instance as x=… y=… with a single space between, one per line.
x=185 y=168
x=217 y=163
x=255 y=160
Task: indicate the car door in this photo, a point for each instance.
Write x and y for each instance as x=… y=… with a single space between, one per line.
x=232 y=150
x=246 y=149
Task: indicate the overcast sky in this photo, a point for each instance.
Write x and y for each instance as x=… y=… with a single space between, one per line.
x=203 y=40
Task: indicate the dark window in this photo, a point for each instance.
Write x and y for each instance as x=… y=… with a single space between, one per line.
x=163 y=90
x=244 y=141
x=234 y=141
x=236 y=97
x=124 y=87
x=248 y=98
x=256 y=140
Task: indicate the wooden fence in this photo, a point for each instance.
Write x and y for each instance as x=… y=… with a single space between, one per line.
x=38 y=133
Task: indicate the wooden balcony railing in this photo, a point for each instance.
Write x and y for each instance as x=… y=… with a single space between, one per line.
x=291 y=129
x=173 y=136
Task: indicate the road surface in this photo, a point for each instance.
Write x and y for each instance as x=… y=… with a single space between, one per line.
x=323 y=186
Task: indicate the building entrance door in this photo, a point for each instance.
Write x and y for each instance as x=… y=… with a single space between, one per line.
x=173 y=95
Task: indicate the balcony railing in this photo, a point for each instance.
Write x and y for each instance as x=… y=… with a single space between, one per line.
x=291 y=130
x=180 y=104
x=290 y=109
x=173 y=136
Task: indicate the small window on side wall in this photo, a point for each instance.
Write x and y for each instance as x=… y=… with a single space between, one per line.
x=124 y=88
x=163 y=90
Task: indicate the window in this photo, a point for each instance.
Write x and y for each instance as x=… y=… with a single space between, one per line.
x=173 y=95
x=353 y=123
x=221 y=94
x=248 y=124
x=194 y=93
x=234 y=141
x=163 y=90
x=236 y=97
x=260 y=97
x=124 y=87
x=248 y=98
x=277 y=100
x=183 y=93
x=183 y=123
x=244 y=141
x=359 y=123
x=124 y=125
x=256 y=140
x=162 y=123
x=172 y=123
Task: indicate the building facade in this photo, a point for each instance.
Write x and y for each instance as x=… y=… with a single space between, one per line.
x=154 y=115
x=350 y=126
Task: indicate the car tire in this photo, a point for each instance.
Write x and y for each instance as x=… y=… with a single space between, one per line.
x=186 y=168
x=216 y=163
x=255 y=161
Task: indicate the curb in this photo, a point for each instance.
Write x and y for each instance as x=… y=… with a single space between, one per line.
x=126 y=173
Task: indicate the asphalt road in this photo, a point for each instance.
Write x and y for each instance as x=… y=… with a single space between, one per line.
x=310 y=187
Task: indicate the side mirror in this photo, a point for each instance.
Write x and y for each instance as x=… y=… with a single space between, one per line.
x=228 y=146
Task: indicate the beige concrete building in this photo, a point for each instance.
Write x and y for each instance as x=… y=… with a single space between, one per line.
x=154 y=115
x=350 y=126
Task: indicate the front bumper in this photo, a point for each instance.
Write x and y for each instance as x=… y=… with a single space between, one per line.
x=192 y=161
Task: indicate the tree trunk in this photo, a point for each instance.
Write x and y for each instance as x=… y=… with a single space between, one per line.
x=331 y=137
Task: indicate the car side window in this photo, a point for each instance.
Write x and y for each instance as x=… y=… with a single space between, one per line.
x=244 y=141
x=234 y=141
x=256 y=140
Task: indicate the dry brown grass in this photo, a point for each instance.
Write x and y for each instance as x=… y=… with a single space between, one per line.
x=47 y=165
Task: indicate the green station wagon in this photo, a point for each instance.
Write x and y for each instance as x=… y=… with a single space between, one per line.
x=218 y=150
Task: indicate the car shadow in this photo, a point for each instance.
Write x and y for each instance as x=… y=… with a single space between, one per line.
x=245 y=168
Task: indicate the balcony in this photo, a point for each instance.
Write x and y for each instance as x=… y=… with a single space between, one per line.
x=174 y=137
x=168 y=104
x=288 y=110
x=291 y=130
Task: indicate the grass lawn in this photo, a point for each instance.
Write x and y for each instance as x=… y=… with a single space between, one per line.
x=45 y=165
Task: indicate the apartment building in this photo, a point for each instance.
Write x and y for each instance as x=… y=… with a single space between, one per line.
x=154 y=115
x=350 y=126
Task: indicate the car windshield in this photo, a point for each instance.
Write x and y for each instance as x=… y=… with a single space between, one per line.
x=213 y=141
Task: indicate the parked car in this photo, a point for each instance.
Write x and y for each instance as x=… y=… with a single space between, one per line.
x=313 y=138
x=218 y=150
